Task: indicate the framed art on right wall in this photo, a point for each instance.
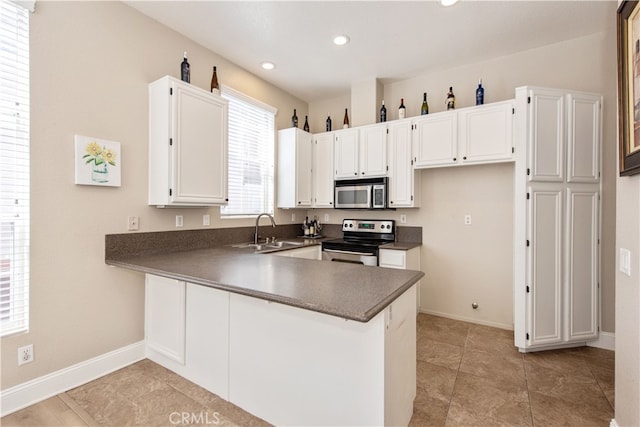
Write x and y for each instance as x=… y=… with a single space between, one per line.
x=629 y=86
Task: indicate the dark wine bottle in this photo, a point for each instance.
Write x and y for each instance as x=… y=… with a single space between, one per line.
x=215 y=87
x=328 y=123
x=383 y=113
x=451 y=99
x=185 y=69
x=425 y=105
x=480 y=94
x=306 y=124
x=402 y=111
x=345 y=122
x=294 y=119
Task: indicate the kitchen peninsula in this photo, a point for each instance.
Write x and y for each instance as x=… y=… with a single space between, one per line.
x=293 y=341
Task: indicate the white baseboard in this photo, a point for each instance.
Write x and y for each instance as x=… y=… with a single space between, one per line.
x=613 y=423
x=468 y=319
x=606 y=340
x=38 y=389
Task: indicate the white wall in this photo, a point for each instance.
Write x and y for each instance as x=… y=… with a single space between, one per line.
x=90 y=66
x=464 y=264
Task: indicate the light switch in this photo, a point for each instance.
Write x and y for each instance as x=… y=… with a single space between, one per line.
x=624 y=261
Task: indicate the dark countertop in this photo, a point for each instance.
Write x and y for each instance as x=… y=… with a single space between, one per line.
x=401 y=246
x=349 y=291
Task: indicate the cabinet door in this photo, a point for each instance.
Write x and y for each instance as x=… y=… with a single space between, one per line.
x=304 y=153
x=373 y=150
x=323 y=170
x=401 y=173
x=165 y=317
x=583 y=137
x=434 y=140
x=544 y=275
x=486 y=133
x=199 y=147
x=346 y=154
x=546 y=151
x=582 y=263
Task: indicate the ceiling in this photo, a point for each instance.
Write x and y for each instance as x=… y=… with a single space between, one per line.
x=390 y=40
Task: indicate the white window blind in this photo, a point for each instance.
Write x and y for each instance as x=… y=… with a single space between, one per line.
x=14 y=168
x=251 y=151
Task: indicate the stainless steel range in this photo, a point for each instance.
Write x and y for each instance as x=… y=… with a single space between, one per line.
x=360 y=241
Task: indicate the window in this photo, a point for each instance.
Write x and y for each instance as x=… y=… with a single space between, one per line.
x=251 y=151
x=14 y=168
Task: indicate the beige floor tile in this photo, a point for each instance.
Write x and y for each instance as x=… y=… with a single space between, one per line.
x=428 y=411
x=438 y=353
x=494 y=339
x=492 y=364
x=443 y=330
x=436 y=381
x=52 y=412
x=551 y=411
x=478 y=401
x=569 y=361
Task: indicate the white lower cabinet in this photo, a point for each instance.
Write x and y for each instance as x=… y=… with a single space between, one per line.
x=284 y=364
x=404 y=260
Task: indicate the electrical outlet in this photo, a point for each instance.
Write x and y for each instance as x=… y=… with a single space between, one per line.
x=133 y=223
x=293 y=217
x=326 y=217
x=467 y=219
x=179 y=221
x=25 y=354
x=403 y=219
x=206 y=219
x=624 y=261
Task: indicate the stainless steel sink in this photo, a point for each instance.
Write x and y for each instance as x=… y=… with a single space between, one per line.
x=267 y=247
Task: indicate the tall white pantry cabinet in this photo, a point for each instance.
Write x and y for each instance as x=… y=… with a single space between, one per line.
x=557 y=218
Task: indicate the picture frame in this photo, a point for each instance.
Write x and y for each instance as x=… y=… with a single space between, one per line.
x=97 y=161
x=628 y=30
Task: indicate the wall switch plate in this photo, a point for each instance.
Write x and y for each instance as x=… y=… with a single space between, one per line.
x=179 y=221
x=133 y=223
x=25 y=354
x=326 y=217
x=624 y=261
x=403 y=219
x=467 y=219
x=206 y=219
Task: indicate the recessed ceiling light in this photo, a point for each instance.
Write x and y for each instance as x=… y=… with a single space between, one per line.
x=448 y=2
x=341 y=40
x=268 y=65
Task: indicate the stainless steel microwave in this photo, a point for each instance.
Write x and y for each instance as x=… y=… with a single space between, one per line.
x=368 y=193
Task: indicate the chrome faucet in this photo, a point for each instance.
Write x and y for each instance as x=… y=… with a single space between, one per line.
x=255 y=235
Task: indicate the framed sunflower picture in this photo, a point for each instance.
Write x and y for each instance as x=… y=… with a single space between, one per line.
x=97 y=161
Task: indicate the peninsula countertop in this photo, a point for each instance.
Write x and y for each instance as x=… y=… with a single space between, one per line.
x=349 y=291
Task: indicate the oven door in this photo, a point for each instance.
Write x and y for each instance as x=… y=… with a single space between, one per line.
x=352 y=257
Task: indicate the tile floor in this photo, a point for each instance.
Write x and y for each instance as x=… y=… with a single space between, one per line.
x=468 y=375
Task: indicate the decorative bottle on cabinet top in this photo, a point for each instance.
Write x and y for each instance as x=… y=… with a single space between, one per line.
x=425 y=105
x=480 y=94
x=451 y=99
x=328 y=123
x=185 y=69
x=294 y=119
x=383 y=113
x=345 y=122
x=402 y=111
x=306 y=124
x=215 y=87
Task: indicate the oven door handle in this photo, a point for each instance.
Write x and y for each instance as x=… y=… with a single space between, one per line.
x=336 y=251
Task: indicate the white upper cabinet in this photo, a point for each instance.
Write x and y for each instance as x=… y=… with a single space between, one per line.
x=435 y=140
x=294 y=168
x=361 y=152
x=485 y=133
x=187 y=145
x=403 y=185
x=323 y=170
x=583 y=136
x=546 y=132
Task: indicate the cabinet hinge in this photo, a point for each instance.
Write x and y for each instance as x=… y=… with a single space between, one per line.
x=412 y=198
x=528 y=171
x=527 y=336
x=527 y=242
x=387 y=131
x=513 y=150
x=170 y=192
x=387 y=168
x=411 y=162
x=527 y=289
x=513 y=111
x=528 y=100
x=170 y=141
x=528 y=195
x=598 y=328
x=170 y=91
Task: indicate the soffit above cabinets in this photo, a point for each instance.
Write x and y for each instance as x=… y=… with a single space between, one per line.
x=389 y=40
